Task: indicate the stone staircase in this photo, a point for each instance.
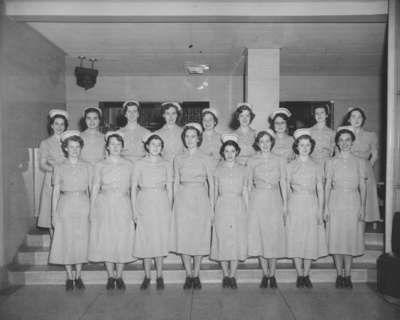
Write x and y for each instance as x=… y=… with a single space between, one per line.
x=30 y=266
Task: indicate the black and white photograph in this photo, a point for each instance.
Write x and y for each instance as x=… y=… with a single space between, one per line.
x=200 y=159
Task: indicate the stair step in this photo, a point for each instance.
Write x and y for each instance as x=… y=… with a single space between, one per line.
x=133 y=274
x=39 y=256
x=38 y=238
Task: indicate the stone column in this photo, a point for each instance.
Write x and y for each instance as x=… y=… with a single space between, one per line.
x=262 y=83
x=392 y=201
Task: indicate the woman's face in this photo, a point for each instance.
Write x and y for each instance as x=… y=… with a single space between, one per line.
x=132 y=113
x=114 y=146
x=229 y=153
x=208 y=122
x=356 y=119
x=244 y=118
x=191 y=138
x=73 y=149
x=280 y=125
x=265 y=143
x=155 y=147
x=58 y=126
x=320 y=115
x=304 y=147
x=92 y=120
x=170 y=115
x=345 y=142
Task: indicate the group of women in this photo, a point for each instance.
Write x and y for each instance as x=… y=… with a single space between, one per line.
x=135 y=194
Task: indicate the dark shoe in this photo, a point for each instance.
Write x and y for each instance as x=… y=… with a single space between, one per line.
x=347 y=283
x=69 y=285
x=339 y=282
x=300 y=282
x=196 y=283
x=145 y=284
x=160 y=283
x=233 y=283
x=188 y=283
x=110 y=284
x=272 y=283
x=120 y=284
x=307 y=282
x=79 y=284
x=226 y=282
x=264 y=282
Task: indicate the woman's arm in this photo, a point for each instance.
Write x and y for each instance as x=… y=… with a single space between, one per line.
x=284 y=188
x=363 y=189
x=95 y=189
x=320 y=193
x=44 y=163
x=56 y=179
x=328 y=188
x=134 y=190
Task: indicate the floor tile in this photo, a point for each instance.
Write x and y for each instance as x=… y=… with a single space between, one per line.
x=172 y=303
x=325 y=302
x=47 y=302
x=247 y=302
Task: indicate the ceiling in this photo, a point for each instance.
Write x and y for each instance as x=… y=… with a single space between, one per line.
x=163 y=48
x=315 y=45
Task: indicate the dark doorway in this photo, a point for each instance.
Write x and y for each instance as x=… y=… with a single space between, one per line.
x=302 y=116
x=150 y=117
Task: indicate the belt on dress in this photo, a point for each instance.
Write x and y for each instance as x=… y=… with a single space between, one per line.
x=160 y=188
x=192 y=184
x=74 y=193
x=115 y=191
x=231 y=194
x=267 y=186
x=347 y=189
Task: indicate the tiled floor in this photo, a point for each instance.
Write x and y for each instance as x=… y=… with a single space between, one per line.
x=211 y=303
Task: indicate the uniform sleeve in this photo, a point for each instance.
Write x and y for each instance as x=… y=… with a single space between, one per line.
x=374 y=142
x=43 y=150
x=56 y=177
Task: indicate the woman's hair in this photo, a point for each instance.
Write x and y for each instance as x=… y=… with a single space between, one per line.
x=116 y=136
x=151 y=138
x=342 y=131
x=229 y=143
x=199 y=135
x=280 y=115
x=82 y=121
x=346 y=119
x=64 y=143
x=213 y=115
x=258 y=138
x=51 y=120
x=122 y=119
x=166 y=106
x=235 y=124
x=302 y=137
x=326 y=108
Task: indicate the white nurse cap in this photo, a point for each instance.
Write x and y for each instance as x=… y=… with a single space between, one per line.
x=70 y=133
x=229 y=137
x=301 y=132
x=284 y=111
x=110 y=133
x=210 y=110
x=194 y=125
x=130 y=102
x=58 y=112
x=94 y=108
x=175 y=104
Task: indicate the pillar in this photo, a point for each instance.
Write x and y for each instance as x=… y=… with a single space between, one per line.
x=262 y=83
